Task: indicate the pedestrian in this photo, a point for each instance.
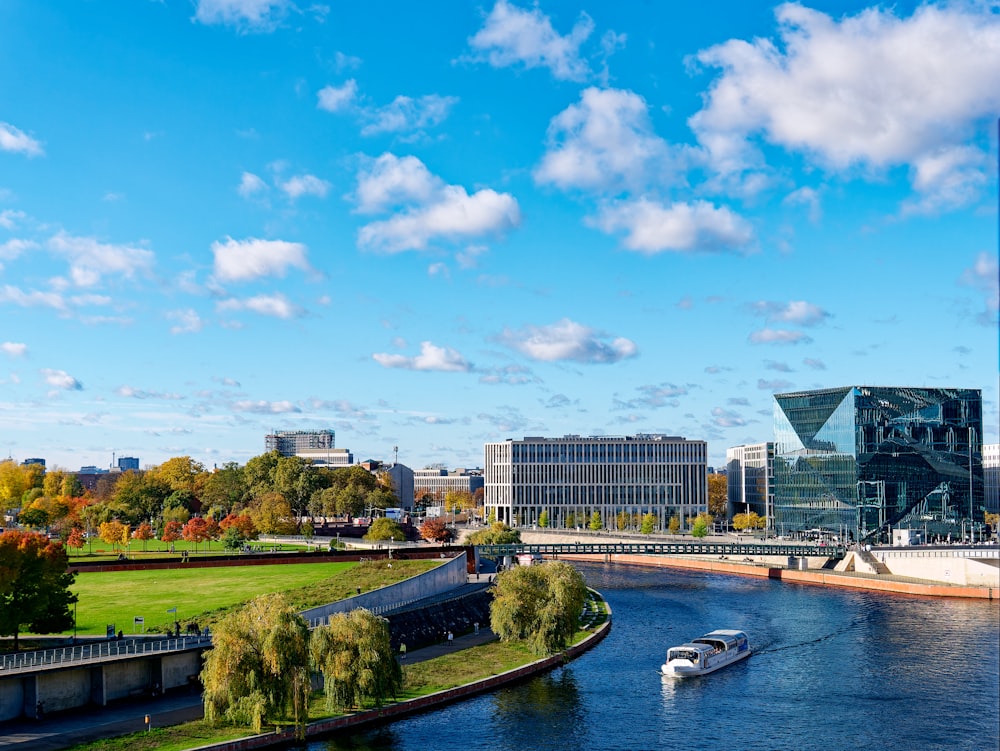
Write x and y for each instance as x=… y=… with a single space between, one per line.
x=451 y=638
x=402 y=651
x=475 y=627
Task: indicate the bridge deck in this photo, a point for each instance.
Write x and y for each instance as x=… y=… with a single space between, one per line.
x=663 y=548
x=96 y=652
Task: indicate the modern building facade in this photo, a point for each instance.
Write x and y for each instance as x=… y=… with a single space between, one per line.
x=860 y=460
x=750 y=480
x=568 y=479
x=991 y=477
x=291 y=442
x=439 y=482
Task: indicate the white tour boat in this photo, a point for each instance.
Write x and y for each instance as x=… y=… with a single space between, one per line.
x=706 y=654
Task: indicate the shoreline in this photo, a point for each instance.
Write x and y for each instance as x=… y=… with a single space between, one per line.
x=814 y=577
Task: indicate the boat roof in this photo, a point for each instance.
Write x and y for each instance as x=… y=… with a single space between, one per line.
x=724 y=633
x=692 y=646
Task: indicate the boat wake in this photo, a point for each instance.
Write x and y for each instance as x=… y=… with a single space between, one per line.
x=767 y=647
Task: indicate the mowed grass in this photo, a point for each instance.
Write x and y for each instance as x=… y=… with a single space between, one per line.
x=206 y=594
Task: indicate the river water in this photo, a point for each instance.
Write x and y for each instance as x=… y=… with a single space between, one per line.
x=832 y=669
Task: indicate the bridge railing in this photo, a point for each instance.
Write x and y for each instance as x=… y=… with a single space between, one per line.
x=98 y=651
x=662 y=548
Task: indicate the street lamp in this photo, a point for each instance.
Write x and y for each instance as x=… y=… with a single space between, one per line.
x=392 y=541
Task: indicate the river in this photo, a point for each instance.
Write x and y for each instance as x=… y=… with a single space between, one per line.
x=832 y=669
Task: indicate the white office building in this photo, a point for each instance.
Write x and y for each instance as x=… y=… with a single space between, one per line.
x=991 y=477
x=568 y=479
x=750 y=480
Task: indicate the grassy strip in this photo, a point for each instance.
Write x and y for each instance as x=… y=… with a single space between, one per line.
x=439 y=674
x=97 y=550
x=205 y=595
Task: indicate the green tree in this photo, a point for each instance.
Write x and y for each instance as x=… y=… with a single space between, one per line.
x=570 y=520
x=718 y=494
x=700 y=527
x=497 y=533
x=384 y=528
x=648 y=524
x=543 y=519
x=355 y=656
x=595 y=521
x=34 y=585
x=224 y=489
x=258 y=667
x=34 y=518
x=623 y=519
x=674 y=525
x=540 y=605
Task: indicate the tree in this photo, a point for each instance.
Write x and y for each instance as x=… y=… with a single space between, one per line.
x=384 y=528
x=35 y=518
x=497 y=533
x=355 y=656
x=648 y=524
x=718 y=494
x=143 y=532
x=700 y=527
x=197 y=530
x=272 y=514
x=538 y=604
x=674 y=525
x=76 y=538
x=34 y=585
x=543 y=519
x=242 y=523
x=595 y=521
x=434 y=529
x=224 y=489
x=171 y=531
x=742 y=522
x=114 y=533
x=258 y=667
x=14 y=481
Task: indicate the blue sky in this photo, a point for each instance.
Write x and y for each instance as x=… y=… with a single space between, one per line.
x=436 y=225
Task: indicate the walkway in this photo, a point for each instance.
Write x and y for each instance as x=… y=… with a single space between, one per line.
x=91 y=723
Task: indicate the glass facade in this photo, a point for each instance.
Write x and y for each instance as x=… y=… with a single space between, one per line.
x=859 y=460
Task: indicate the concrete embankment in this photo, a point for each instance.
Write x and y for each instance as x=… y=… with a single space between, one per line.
x=821 y=577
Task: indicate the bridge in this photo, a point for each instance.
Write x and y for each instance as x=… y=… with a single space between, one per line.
x=98 y=652
x=728 y=549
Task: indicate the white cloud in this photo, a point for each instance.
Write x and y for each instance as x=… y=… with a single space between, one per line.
x=869 y=91
x=9 y=217
x=17 y=296
x=808 y=197
x=60 y=379
x=407 y=114
x=984 y=275
x=568 y=340
x=245 y=15
x=651 y=227
x=12 y=248
x=725 y=418
x=512 y=35
x=337 y=98
x=428 y=208
x=91 y=260
x=654 y=397
x=16 y=140
x=304 y=185
x=14 y=349
x=187 y=321
x=604 y=142
x=798 y=312
x=276 y=305
x=244 y=260
x=779 y=336
x=431 y=357
x=134 y=393
x=261 y=407
x=251 y=185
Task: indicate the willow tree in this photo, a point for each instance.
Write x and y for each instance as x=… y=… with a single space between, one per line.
x=258 y=667
x=354 y=654
x=539 y=605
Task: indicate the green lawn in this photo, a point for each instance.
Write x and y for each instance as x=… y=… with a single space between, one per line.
x=203 y=594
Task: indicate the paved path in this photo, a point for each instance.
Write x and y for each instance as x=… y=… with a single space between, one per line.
x=91 y=723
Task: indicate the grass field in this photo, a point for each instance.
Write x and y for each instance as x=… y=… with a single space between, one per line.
x=98 y=549
x=204 y=594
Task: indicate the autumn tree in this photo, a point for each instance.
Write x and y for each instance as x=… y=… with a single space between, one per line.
x=243 y=525
x=674 y=525
x=171 y=531
x=354 y=654
x=34 y=585
x=258 y=667
x=648 y=524
x=384 y=528
x=114 y=533
x=224 y=490
x=539 y=605
x=272 y=514
x=595 y=521
x=434 y=529
x=197 y=530
x=718 y=495
x=143 y=532
x=743 y=522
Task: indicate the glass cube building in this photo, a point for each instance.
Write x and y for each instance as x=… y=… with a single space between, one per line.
x=857 y=461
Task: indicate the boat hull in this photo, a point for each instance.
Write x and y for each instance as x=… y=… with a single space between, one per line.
x=688 y=670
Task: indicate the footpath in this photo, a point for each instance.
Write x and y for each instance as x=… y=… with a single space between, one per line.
x=92 y=723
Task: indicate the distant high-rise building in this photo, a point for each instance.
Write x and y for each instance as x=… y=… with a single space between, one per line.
x=621 y=479
x=439 y=482
x=125 y=463
x=33 y=460
x=991 y=476
x=862 y=459
x=291 y=442
x=750 y=480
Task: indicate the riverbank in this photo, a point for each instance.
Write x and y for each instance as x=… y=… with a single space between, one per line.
x=817 y=577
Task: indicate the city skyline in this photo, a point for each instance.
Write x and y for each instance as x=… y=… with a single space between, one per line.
x=221 y=218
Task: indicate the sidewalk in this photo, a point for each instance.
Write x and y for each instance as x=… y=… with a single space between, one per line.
x=91 y=723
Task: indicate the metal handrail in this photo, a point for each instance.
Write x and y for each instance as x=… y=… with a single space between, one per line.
x=98 y=651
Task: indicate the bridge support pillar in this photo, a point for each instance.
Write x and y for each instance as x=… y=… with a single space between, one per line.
x=98 y=688
x=29 y=688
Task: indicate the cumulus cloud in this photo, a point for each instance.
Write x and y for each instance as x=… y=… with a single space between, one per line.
x=427 y=208
x=244 y=260
x=869 y=91
x=261 y=407
x=304 y=185
x=514 y=36
x=654 y=397
x=779 y=336
x=16 y=140
x=17 y=296
x=251 y=185
x=245 y=15
x=776 y=385
x=10 y=217
x=650 y=227
x=984 y=275
x=12 y=248
x=14 y=349
x=277 y=306
x=605 y=142
x=431 y=357
x=725 y=418
x=186 y=321
x=131 y=392
x=796 y=312
x=60 y=379
x=568 y=340
x=337 y=98
x=91 y=260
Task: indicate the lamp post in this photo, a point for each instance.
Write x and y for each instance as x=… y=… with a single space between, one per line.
x=392 y=541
